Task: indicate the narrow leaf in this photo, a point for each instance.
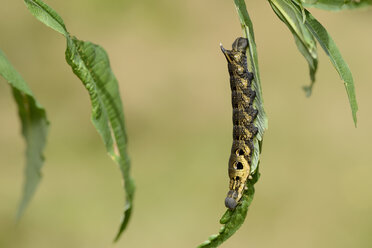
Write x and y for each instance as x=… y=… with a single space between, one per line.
x=293 y=17
x=329 y=46
x=46 y=15
x=91 y=64
x=337 y=5
x=299 y=3
x=233 y=219
x=34 y=129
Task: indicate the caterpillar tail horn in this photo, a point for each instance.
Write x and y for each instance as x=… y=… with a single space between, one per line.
x=225 y=53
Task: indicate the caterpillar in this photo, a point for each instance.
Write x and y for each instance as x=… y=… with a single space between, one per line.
x=244 y=114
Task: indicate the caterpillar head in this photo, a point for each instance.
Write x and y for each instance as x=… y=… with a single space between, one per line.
x=235 y=55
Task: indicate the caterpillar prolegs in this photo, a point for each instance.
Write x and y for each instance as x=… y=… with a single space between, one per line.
x=243 y=116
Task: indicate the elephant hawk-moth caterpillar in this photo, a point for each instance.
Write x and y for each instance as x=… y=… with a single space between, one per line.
x=244 y=115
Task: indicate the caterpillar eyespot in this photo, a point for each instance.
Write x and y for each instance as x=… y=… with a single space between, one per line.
x=244 y=115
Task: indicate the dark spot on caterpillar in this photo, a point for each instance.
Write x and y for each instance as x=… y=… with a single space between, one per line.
x=253 y=130
x=252 y=94
x=239 y=166
x=236 y=121
x=250 y=76
x=240 y=152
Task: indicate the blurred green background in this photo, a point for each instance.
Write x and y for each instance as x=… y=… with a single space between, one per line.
x=315 y=188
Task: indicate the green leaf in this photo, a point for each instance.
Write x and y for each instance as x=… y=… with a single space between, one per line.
x=233 y=219
x=298 y=2
x=329 y=46
x=337 y=5
x=34 y=129
x=291 y=13
x=91 y=64
x=46 y=15
x=294 y=18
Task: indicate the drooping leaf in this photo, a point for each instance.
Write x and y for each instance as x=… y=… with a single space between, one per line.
x=34 y=129
x=337 y=5
x=91 y=64
x=329 y=46
x=233 y=219
x=46 y=15
x=293 y=17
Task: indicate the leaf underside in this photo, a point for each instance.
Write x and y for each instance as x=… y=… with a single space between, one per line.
x=91 y=65
x=233 y=219
x=34 y=130
x=337 y=5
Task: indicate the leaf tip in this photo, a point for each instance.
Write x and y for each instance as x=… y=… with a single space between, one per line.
x=124 y=221
x=355 y=118
x=226 y=217
x=19 y=214
x=308 y=90
x=205 y=243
